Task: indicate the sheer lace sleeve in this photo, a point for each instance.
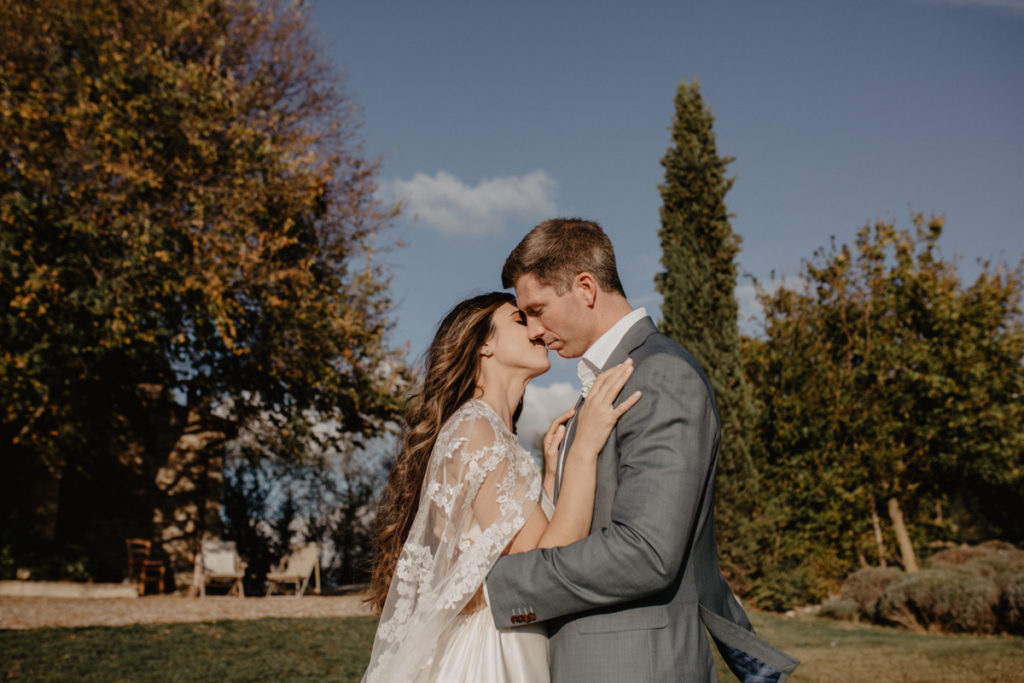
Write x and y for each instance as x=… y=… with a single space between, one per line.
x=479 y=489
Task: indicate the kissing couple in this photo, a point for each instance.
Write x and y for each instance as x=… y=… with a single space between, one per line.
x=606 y=567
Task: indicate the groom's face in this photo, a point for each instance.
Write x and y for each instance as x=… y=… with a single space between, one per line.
x=561 y=321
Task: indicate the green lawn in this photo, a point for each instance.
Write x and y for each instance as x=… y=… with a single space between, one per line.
x=837 y=651
x=249 y=650
x=337 y=649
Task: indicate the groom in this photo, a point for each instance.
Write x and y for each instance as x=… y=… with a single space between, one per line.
x=630 y=601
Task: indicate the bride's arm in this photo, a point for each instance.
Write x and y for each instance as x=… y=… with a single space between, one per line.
x=575 y=508
x=551 y=441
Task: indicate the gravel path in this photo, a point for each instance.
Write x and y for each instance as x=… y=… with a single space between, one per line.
x=26 y=613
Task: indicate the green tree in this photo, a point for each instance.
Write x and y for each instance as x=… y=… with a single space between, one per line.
x=892 y=397
x=328 y=496
x=186 y=222
x=699 y=306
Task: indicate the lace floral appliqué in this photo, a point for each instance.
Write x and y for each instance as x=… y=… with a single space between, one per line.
x=480 y=488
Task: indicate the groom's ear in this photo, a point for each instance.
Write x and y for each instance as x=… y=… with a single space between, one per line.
x=585 y=286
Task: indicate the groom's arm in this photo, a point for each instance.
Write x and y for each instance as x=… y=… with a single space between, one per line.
x=665 y=446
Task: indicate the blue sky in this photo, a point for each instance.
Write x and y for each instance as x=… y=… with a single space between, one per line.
x=489 y=117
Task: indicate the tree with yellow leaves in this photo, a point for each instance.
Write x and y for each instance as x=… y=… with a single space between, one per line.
x=187 y=227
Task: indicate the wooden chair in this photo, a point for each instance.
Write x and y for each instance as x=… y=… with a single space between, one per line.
x=141 y=569
x=218 y=563
x=296 y=568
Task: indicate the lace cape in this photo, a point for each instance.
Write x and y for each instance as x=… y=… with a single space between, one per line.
x=479 y=489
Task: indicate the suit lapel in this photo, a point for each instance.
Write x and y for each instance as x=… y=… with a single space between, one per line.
x=570 y=434
x=634 y=337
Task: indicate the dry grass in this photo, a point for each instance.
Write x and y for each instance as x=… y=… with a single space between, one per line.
x=338 y=648
x=835 y=651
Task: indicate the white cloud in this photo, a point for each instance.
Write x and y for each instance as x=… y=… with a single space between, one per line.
x=541 y=405
x=751 y=313
x=1015 y=6
x=452 y=207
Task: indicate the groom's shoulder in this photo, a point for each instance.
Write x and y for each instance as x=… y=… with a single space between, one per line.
x=658 y=346
x=663 y=354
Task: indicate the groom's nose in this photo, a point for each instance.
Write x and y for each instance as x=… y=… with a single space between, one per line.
x=534 y=329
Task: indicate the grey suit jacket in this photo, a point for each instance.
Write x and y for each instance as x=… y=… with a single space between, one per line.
x=630 y=601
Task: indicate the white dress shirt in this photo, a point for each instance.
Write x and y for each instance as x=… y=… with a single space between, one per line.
x=596 y=356
x=588 y=368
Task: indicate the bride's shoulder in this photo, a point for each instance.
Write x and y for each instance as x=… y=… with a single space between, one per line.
x=474 y=411
x=475 y=425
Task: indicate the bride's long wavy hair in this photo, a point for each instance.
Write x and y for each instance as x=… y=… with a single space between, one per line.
x=452 y=362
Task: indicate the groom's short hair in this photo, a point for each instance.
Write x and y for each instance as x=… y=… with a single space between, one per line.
x=558 y=250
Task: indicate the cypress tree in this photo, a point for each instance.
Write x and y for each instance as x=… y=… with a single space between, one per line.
x=699 y=309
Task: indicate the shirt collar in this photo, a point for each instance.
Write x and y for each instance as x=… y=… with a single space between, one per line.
x=597 y=355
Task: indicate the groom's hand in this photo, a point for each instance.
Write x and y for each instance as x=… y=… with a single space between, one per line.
x=599 y=413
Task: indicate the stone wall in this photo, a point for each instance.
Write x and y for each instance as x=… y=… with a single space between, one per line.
x=158 y=477
x=187 y=498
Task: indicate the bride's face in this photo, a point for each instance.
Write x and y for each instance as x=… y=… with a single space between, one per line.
x=511 y=345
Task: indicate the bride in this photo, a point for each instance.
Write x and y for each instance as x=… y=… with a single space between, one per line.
x=463 y=491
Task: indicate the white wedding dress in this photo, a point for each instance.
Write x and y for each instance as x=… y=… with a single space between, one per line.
x=479 y=489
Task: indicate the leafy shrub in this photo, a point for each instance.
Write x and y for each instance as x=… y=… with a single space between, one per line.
x=1002 y=564
x=865 y=588
x=966 y=589
x=957 y=556
x=780 y=591
x=1011 y=603
x=843 y=609
x=942 y=600
x=994 y=559
x=8 y=564
x=76 y=569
